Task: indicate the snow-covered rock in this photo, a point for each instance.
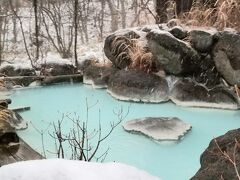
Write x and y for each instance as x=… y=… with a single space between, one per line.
x=158 y=128
x=59 y=169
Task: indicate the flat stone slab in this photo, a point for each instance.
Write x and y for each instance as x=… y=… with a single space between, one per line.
x=158 y=128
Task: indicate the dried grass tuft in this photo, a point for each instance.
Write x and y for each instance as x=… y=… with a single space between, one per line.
x=141 y=59
x=222 y=14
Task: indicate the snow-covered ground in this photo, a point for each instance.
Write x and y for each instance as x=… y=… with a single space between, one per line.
x=59 y=169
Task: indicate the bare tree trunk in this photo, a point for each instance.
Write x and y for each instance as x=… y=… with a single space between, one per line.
x=183 y=6
x=101 y=21
x=76 y=31
x=14 y=20
x=161 y=10
x=123 y=14
x=114 y=15
x=35 y=6
x=23 y=33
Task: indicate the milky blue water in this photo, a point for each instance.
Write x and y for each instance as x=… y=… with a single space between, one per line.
x=170 y=161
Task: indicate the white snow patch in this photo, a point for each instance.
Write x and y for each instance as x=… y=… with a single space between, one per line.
x=18 y=64
x=54 y=58
x=59 y=169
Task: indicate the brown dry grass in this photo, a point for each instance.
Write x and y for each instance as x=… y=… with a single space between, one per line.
x=223 y=14
x=140 y=59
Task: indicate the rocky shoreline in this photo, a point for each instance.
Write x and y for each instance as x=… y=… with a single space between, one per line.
x=192 y=67
x=12 y=147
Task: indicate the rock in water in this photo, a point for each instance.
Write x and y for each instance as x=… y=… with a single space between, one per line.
x=187 y=92
x=160 y=129
x=138 y=86
x=214 y=165
x=98 y=75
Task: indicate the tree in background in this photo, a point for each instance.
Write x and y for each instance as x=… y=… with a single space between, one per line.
x=35 y=6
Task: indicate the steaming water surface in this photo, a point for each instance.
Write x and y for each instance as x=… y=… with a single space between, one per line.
x=168 y=160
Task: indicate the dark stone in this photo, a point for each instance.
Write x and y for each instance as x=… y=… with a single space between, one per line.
x=138 y=86
x=226 y=55
x=208 y=74
x=98 y=75
x=10 y=70
x=7 y=134
x=214 y=165
x=202 y=40
x=15 y=152
x=4 y=103
x=53 y=69
x=176 y=56
x=178 y=32
x=189 y=93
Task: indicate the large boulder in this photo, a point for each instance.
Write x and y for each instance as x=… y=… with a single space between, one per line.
x=186 y=92
x=176 y=56
x=159 y=129
x=98 y=75
x=226 y=55
x=138 y=86
x=217 y=161
x=202 y=40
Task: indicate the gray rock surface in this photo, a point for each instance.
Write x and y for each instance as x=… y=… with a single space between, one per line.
x=159 y=129
x=214 y=165
x=138 y=86
x=178 y=32
x=189 y=93
x=202 y=40
x=98 y=75
x=177 y=57
x=226 y=55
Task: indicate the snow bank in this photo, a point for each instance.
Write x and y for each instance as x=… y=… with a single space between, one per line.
x=59 y=169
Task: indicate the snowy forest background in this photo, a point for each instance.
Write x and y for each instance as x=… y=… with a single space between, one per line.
x=45 y=30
